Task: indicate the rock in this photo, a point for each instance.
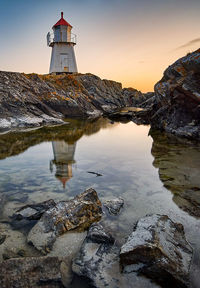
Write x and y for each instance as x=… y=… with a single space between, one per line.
x=81 y=212
x=98 y=262
x=33 y=211
x=31 y=272
x=176 y=108
x=178 y=176
x=31 y=100
x=2 y=202
x=160 y=247
x=13 y=244
x=114 y=206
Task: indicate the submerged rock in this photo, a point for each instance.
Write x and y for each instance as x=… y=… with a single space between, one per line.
x=81 y=211
x=31 y=272
x=33 y=211
x=98 y=262
x=114 y=206
x=160 y=248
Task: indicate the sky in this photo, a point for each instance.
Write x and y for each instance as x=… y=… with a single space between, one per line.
x=129 y=41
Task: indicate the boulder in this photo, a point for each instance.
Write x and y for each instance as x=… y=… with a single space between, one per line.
x=80 y=212
x=114 y=205
x=159 y=249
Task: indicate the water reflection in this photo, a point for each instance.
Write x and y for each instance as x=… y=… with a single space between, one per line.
x=63 y=160
x=178 y=161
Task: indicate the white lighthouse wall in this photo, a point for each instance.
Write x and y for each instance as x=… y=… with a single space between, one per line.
x=63 y=58
x=62 y=33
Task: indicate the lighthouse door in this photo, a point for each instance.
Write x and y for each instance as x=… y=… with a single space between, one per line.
x=64 y=62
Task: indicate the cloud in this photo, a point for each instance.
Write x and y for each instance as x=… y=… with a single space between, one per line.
x=188 y=44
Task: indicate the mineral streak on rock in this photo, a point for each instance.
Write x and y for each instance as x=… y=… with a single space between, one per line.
x=81 y=212
x=160 y=245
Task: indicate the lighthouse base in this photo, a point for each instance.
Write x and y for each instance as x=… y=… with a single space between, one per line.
x=63 y=58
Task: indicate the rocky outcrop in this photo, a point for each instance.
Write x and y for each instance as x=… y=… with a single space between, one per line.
x=159 y=249
x=81 y=212
x=176 y=107
x=178 y=162
x=31 y=100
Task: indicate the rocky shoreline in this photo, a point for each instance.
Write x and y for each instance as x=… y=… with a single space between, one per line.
x=31 y=100
x=157 y=247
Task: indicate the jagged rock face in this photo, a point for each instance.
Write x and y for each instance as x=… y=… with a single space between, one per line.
x=178 y=161
x=114 y=206
x=35 y=100
x=159 y=249
x=177 y=98
x=81 y=212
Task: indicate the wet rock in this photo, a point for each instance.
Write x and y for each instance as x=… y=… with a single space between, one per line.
x=13 y=244
x=114 y=206
x=31 y=272
x=160 y=251
x=98 y=262
x=81 y=212
x=33 y=211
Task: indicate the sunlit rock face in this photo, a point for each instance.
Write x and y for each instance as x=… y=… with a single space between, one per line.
x=178 y=161
x=177 y=98
x=31 y=100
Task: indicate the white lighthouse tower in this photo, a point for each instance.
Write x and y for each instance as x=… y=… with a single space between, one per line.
x=62 y=42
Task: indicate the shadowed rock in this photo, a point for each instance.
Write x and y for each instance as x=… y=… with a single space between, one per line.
x=81 y=212
x=160 y=247
x=176 y=107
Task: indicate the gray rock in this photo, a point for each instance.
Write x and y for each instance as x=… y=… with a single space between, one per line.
x=176 y=107
x=160 y=245
x=81 y=212
x=31 y=100
x=114 y=206
x=33 y=211
x=31 y=272
x=98 y=262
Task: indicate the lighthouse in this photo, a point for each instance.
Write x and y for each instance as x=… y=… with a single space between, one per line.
x=62 y=41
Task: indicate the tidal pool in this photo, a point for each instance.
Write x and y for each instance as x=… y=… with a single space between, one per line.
x=153 y=174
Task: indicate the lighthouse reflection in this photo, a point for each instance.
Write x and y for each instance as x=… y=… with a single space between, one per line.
x=63 y=160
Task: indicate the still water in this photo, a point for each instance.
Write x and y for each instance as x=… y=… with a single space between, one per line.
x=153 y=174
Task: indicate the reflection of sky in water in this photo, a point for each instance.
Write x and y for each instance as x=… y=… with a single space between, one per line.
x=122 y=154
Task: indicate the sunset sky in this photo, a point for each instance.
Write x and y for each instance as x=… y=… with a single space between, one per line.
x=130 y=41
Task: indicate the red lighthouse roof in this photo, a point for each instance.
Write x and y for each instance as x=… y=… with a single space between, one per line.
x=62 y=21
